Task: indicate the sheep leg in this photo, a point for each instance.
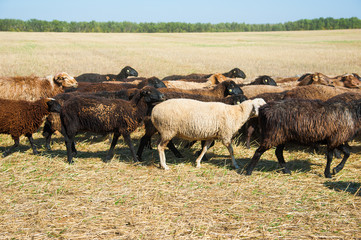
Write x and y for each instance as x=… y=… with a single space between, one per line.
x=112 y=146
x=280 y=158
x=69 y=151
x=16 y=144
x=230 y=150
x=31 y=140
x=143 y=142
x=205 y=147
x=329 y=155
x=257 y=155
x=346 y=153
x=174 y=150
x=130 y=145
x=250 y=131
x=161 y=146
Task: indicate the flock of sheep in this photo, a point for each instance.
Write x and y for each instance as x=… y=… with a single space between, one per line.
x=311 y=109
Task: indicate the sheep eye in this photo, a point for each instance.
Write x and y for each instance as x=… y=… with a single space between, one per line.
x=128 y=71
x=230 y=90
x=238 y=102
x=266 y=80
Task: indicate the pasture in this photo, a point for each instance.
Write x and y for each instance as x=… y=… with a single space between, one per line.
x=43 y=197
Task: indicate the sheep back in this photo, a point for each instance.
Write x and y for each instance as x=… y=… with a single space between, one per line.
x=308 y=121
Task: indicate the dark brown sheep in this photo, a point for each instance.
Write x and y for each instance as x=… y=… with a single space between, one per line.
x=307 y=122
x=31 y=88
x=20 y=117
x=53 y=122
x=94 y=77
x=234 y=73
x=101 y=115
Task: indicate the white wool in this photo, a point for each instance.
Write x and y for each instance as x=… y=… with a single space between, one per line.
x=195 y=120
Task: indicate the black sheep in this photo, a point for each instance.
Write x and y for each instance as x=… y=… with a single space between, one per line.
x=52 y=121
x=307 y=122
x=94 y=77
x=101 y=115
x=234 y=73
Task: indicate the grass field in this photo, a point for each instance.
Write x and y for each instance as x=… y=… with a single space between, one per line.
x=42 y=197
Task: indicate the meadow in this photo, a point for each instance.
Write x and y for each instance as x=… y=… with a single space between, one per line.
x=43 y=197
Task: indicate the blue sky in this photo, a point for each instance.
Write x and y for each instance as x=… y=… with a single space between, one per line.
x=190 y=11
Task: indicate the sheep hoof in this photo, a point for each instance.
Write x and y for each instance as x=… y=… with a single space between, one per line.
x=335 y=170
x=328 y=175
x=107 y=159
x=71 y=162
x=286 y=171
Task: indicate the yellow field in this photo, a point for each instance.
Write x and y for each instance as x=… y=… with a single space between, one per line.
x=42 y=197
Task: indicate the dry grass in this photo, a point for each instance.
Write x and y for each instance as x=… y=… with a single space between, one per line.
x=42 y=197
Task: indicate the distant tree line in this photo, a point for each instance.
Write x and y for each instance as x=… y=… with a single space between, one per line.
x=34 y=25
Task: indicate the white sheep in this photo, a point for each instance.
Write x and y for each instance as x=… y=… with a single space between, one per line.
x=195 y=120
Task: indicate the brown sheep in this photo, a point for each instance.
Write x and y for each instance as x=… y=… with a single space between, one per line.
x=20 y=117
x=31 y=88
x=111 y=87
x=320 y=92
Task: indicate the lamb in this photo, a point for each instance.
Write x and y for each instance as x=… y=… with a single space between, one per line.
x=94 y=77
x=101 y=87
x=234 y=73
x=195 y=120
x=307 y=122
x=150 y=130
x=20 y=117
x=101 y=115
x=32 y=88
x=196 y=83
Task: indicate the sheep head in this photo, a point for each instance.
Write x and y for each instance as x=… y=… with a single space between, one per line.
x=264 y=80
x=65 y=80
x=236 y=73
x=128 y=71
x=256 y=104
x=315 y=78
x=351 y=81
x=53 y=105
x=231 y=88
x=151 y=95
x=156 y=82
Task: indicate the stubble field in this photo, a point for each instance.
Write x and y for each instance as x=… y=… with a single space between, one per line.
x=43 y=197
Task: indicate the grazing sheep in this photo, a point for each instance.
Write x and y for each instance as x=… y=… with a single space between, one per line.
x=20 y=117
x=32 y=88
x=101 y=115
x=307 y=122
x=195 y=120
x=196 y=83
x=150 y=130
x=234 y=73
x=94 y=77
x=102 y=87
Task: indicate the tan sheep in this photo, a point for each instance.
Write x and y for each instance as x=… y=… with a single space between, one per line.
x=32 y=88
x=195 y=120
